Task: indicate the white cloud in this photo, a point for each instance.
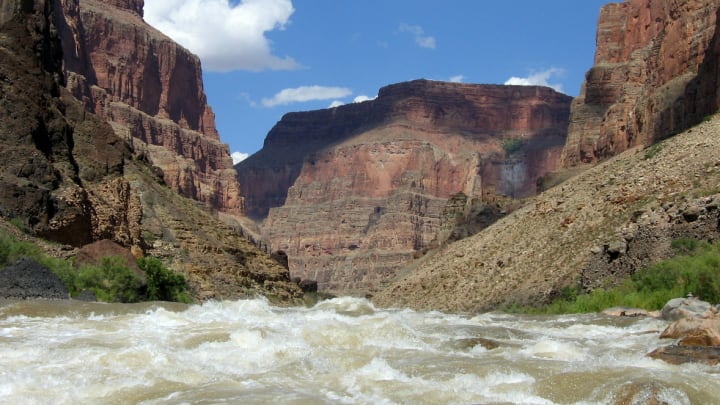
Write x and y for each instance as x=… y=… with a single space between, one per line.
x=336 y=103
x=225 y=36
x=457 y=79
x=421 y=39
x=238 y=157
x=362 y=97
x=305 y=93
x=538 y=79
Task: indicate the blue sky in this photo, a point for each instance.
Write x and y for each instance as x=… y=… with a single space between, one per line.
x=264 y=58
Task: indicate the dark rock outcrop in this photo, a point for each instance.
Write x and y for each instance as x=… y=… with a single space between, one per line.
x=356 y=192
x=28 y=279
x=655 y=74
x=648 y=239
x=61 y=169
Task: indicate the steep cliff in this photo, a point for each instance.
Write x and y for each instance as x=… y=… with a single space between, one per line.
x=66 y=176
x=366 y=187
x=600 y=225
x=150 y=89
x=655 y=74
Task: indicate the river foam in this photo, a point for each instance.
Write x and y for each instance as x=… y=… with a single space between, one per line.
x=340 y=351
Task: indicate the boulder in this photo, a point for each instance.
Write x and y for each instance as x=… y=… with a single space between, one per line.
x=625 y=311
x=694 y=331
x=93 y=253
x=28 y=279
x=687 y=354
x=679 y=308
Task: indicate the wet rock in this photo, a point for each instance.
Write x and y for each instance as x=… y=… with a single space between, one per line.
x=687 y=354
x=308 y=285
x=625 y=311
x=28 y=279
x=469 y=343
x=694 y=331
x=650 y=393
x=679 y=308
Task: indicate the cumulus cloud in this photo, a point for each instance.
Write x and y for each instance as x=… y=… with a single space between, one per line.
x=238 y=157
x=305 y=93
x=424 y=41
x=457 y=79
x=226 y=36
x=362 y=97
x=538 y=79
x=336 y=103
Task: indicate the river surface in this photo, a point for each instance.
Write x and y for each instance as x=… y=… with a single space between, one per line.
x=342 y=351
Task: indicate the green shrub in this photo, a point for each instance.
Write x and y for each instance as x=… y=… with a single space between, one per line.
x=512 y=145
x=163 y=284
x=11 y=250
x=111 y=281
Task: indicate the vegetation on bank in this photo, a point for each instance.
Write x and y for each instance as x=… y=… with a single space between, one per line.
x=695 y=269
x=111 y=281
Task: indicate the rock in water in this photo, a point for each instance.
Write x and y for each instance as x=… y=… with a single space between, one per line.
x=679 y=308
x=28 y=279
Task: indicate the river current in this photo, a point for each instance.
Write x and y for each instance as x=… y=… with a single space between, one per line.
x=342 y=351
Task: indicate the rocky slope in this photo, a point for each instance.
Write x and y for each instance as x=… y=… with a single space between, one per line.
x=366 y=187
x=655 y=74
x=67 y=177
x=150 y=89
x=592 y=229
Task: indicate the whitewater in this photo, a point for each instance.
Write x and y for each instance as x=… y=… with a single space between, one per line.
x=341 y=351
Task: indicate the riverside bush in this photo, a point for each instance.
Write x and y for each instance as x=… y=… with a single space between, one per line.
x=163 y=284
x=696 y=270
x=111 y=281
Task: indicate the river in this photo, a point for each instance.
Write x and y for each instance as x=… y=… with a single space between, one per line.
x=342 y=351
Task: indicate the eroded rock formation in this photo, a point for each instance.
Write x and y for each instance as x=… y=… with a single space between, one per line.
x=354 y=192
x=150 y=89
x=655 y=74
x=66 y=176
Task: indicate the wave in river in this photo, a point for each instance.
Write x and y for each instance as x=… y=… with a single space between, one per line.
x=340 y=351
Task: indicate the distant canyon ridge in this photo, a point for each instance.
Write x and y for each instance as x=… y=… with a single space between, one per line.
x=351 y=194
x=354 y=194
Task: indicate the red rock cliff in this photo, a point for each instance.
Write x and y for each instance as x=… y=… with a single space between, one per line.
x=150 y=89
x=354 y=192
x=655 y=73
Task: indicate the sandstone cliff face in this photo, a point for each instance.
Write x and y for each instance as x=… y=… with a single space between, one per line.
x=595 y=228
x=66 y=176
x=655 y=74
x=366 y=187
x=150 y=89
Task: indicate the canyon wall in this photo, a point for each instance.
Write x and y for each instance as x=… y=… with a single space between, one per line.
x=150 y=89
x=353 y=193
x=655 y=74
x=66 y=176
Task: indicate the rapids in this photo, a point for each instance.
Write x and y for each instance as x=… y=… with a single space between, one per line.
x=342 y=351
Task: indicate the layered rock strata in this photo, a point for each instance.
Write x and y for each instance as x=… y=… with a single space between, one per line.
x=150 y=89
x=595 y=228
x=366 y=187
x=66 y=176
x=655 y=74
